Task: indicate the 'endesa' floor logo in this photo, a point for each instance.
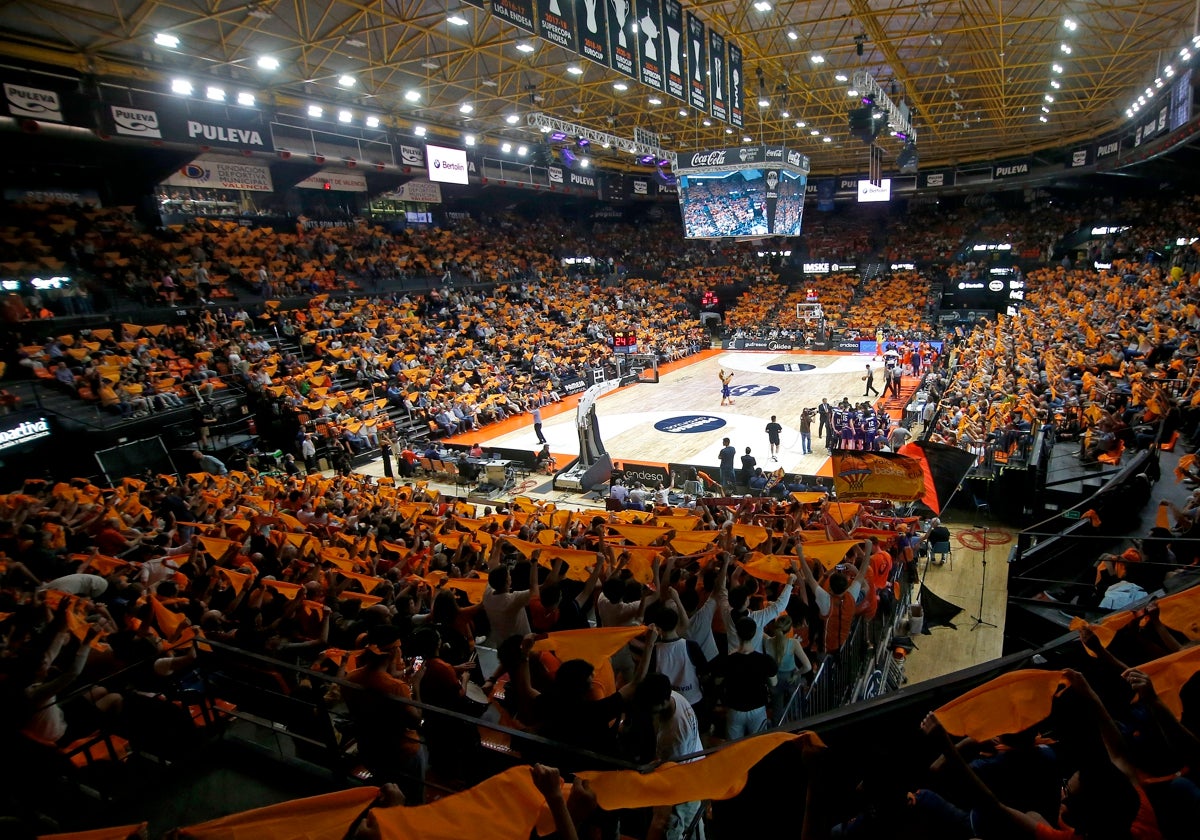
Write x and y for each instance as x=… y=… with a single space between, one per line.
x=689 y=424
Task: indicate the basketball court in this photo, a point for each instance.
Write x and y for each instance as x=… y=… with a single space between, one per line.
x=680 y=419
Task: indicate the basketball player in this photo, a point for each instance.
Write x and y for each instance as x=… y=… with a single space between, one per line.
x=773 y=432
x=725 y=378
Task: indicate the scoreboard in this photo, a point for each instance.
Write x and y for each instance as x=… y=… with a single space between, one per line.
x=624 y=341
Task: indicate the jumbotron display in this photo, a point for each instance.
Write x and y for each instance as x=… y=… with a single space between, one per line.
x=744 y=193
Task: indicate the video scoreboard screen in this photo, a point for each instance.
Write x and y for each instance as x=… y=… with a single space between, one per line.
x=748 y=192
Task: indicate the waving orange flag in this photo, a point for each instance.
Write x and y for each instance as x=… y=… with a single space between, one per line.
x=693 y=542
x=507 y=804
x=237 y=580
x=754 y=535
x=1010 y=703
x=594 y=645
x=284 y=588
x=1171 y=673
x=116 y=832
x=326 y=817
x=640 y=534
x=168 y=622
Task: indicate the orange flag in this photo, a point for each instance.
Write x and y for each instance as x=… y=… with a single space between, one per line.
x=237 y=580
x=116 y=832
x=368 y=582
x=809 y=498
x=1170 y=673
x=103 y=565
x=285 y=589
x=641 y=561
x=693 y=542
x=754 y=535
x=1181 y=612
x=578 y=562
x=526 y=548
x=639 y=534
x=168 y=622
x=507 y=803
x=215 y=547
x=679 y=523
x=1010 y=703
x=843 y=512
x=326 y=817
x=594 y=645
x=1107 y=629
x=769 y=567
x=365 y=600
x=828 y=554
x=473 y=587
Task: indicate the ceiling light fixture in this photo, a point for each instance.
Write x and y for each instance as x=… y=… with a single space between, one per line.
x=729 y=131
x=419 y=130
x=1054 y=84
x=1057 y=68
x=506 y=148
x=841 y=77
x=181 y=86
x=1048 y=98
x=345 y=116
x=1070 y=24
x=522 y=150
x=512 y=119
x=1045 y=110
x=747 y=139
x=469 y=139
x=246 y=99
x=525 y=47
x=215 y=93
x=346 y=81
x=801 y=124
x=457 y=20
x=762 y=6
x=621 y=86
x=466 y=108
x=167 y=40
x=792 y=36
x=814 y=132
x=412 y=95
x=654 y=100
x=707 y=123
x=826 y=139
x=817 y=58
x=584 y=163
x=683 y=112
x=315 y=111
x=785 y=114
x=1066 y=48
x=268 y=62
x=763 y=102
x=575 y=71
x=372 y=121
x=852 y=92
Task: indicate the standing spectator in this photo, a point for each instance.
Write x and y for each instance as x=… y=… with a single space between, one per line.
x=308 y=451
x=726 y=456
x=676 y=735
x=806 y=418
x=537 y=424
x=748 y=464
x=746 y=677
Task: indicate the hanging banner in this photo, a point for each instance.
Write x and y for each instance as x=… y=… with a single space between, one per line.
x=133 y=122
x=736 y=93
x=517 y=12
x=555 y=174
x=650 y=44
x=418 y=190
x=1081 y=157
x=935 y=178
x=592 y=19
x=328 y=179
x=1107 y=148
x=876 y=475
x=674 y=61
x=1012 y=169
x=556 y=22
x=202 y=124
x=222 y=174
x=26 y=102
x=718 y=89
x=621 y=38
x=412 y=156
x=697 y=64
x=640 y=188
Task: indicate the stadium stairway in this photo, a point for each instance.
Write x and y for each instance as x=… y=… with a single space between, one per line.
x=894 y=406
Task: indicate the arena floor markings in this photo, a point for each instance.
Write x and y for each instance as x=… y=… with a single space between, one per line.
x=680 y=419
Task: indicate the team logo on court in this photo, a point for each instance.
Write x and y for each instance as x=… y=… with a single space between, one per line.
x=689 y=424
x=754 y=390
x=791 y=367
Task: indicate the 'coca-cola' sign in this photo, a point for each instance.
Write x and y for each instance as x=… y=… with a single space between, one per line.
x=714 y=158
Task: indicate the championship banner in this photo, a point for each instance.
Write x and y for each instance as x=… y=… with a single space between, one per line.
x=737 y=97
x=651 y=51
x=622 y=40
x=876 y=475
x=592 y=22
x=718 y=89
x=556 y=22
x=675 y=47
x=517 y=12
x=697 y=64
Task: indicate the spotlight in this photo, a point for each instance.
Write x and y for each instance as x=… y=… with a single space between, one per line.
x=907 y=161
x=165 y=40
x=584 y=163
x=346 y=81
x=568 y=157
x=558 y=136
x=246 y=99
x=583 y=142
x=181 y=86
x=412 y=96
x=268 y=62
x=345 y=116
x=457 y=20
x=646 y=160
x=469 y=139
x=419 y=130
x=372 y=121
x=214 y=93
x=315 y=111
x=512 y=119
x=506 y=148
x=522 y=150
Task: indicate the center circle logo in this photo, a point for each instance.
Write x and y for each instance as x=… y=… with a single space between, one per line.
x=689 y=424
x=790 y=367
x=754 y=390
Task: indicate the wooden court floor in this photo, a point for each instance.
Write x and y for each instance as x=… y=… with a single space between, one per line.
x=680 y=419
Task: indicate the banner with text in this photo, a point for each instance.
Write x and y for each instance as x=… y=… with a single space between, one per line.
x=517 y=12
x=155 y=117
x=329 y=179
x=1012 y=169
x=877 y=475
x=736 y=86
x=935 y=178
x=675 y=44
x=556 y=23
x=418 y=190
x=45 y=98
x=208 y=172
x=1081 y=157
x=622 y=40
x=718 y=90
x=697 y=64
x=592 y=19
x=650 y=44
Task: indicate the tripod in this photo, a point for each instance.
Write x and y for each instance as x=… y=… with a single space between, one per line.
x=979 y=622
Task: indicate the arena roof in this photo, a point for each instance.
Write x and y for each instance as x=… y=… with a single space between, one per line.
x=977 y=73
